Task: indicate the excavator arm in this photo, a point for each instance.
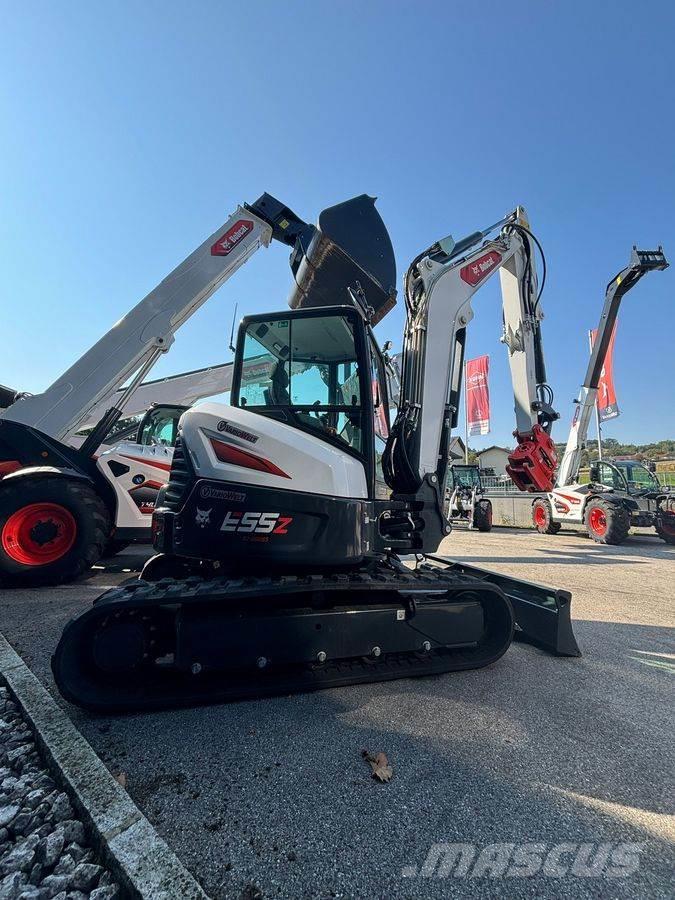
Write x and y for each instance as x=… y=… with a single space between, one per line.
x=439 y=287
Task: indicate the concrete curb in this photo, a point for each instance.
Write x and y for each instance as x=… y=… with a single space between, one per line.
x=136 y=855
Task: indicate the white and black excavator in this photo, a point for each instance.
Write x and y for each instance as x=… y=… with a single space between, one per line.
x=283 y=530
x=617 y=496
x=64 y=500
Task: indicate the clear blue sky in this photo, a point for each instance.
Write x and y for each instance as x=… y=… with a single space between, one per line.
x=131 y=130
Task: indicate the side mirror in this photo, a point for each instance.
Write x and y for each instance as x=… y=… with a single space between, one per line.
x=595 y=474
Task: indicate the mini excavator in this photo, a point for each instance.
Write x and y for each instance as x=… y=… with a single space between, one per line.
x=298 y=531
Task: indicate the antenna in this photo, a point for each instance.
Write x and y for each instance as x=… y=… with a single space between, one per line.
x=234 y=319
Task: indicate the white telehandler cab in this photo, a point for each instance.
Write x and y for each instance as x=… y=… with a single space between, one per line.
x=139 y=455
x=616 y=496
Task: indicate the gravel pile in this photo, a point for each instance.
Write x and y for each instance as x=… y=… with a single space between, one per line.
x=43 y=846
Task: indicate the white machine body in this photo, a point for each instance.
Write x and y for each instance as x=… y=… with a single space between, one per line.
x=285 y=458
x=147 y=469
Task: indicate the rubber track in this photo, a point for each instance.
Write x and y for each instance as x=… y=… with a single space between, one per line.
x=72 y=667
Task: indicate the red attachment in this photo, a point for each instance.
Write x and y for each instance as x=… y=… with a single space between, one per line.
x=532 y=464
x=38 y=534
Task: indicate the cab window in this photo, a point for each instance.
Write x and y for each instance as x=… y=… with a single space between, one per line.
x=639 y=477
x=611 y=477
x=160 y=426
x=307 y=368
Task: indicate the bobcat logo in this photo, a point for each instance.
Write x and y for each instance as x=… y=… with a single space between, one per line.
x=203 y=517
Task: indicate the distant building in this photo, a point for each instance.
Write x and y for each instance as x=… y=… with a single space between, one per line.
x=493 y=460
x=456 y=450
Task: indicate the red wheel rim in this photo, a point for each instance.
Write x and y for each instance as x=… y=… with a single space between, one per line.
x=38 y=534
x=597 y=520
x=539 y=515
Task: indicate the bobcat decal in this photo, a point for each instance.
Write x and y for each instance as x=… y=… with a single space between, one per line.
x=203 y=517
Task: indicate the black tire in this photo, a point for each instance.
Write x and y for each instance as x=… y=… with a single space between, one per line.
x=482 y=515
x=542 y=517
x=665 y=528
x=52 y=529
x=605 y=522
x=113 y=547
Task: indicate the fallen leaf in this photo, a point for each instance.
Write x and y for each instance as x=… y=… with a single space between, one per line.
x=121 y=779
x=379 y=763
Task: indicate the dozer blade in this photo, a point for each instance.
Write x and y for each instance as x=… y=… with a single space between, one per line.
x=349 y=248
x=542 y=614
x=182 y=642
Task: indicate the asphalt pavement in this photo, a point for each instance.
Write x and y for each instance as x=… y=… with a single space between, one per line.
x=272 y=798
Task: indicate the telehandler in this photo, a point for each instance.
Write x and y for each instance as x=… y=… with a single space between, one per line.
x=614 y=499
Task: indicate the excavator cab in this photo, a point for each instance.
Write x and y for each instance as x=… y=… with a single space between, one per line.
x=319 y=370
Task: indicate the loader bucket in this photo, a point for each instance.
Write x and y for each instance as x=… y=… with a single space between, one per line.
x=542 y=614
x=349 y=247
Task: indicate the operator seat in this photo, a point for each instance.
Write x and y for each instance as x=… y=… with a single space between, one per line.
x=279 y=396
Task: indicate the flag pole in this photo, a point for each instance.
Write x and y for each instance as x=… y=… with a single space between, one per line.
x=466 y=418
x=597 y=411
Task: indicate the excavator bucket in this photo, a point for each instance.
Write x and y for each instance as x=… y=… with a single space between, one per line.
x=348 y=248
x=542 y=614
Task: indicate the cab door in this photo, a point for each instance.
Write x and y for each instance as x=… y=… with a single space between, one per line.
x=611 y=477
x=378 y=384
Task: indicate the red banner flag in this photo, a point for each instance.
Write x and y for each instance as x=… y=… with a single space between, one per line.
x=608 y=408
x=478 y=395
